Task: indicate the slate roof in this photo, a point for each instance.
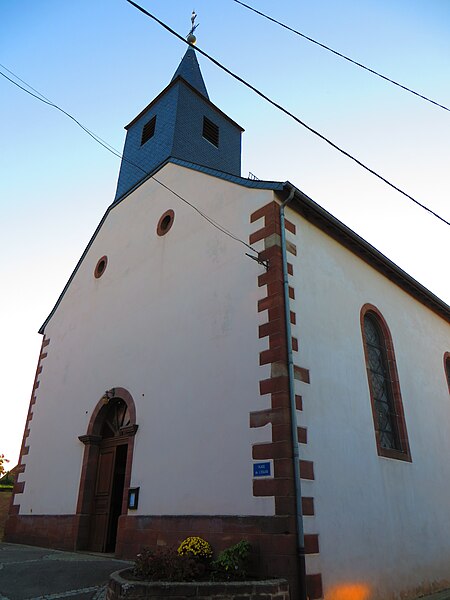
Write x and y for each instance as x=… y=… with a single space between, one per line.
x=189 y=70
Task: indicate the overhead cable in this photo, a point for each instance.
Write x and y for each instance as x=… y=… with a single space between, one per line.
x=285 y=111
x=117 y=153
x=358 y=64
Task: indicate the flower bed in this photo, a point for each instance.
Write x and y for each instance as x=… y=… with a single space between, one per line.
x=190 y=571
x=122 y=588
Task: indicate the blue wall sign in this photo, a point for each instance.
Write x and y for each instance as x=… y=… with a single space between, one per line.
x=262 y=469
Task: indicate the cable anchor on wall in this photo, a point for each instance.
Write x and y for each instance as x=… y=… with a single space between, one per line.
x=260 y=261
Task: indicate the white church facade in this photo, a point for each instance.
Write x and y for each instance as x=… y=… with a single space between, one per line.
x=175 y=370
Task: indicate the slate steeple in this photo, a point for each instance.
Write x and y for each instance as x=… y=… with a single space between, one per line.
x=182 y=123
x=189 y=70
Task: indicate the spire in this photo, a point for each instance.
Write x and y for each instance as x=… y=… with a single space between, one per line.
x=189 y=68
x=181 y=124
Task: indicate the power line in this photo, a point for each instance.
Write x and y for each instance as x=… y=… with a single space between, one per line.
x=45 y=100
x=358 y=64
x=285 y=111
x=27 y=84
x=116 y=152
x=50 y=103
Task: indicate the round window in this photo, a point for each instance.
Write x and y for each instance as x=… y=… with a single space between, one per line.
x=165 y=222
x=100 y=267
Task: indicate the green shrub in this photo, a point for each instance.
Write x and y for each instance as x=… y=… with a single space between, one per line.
x=7 y=480
x=232 y=563
x=192 y=562
x=165 y=564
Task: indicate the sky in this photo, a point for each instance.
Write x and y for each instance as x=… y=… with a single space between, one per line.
x=104 y=61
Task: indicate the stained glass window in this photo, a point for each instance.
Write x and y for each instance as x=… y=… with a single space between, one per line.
x=447 y=370
x=380 y=384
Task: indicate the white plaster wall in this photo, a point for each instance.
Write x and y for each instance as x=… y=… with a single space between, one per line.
x=383 y=524
x=174 y=321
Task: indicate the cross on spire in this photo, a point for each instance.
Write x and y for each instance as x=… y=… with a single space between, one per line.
x=190 y=36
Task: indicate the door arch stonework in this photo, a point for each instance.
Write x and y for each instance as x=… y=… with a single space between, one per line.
x=93 y=441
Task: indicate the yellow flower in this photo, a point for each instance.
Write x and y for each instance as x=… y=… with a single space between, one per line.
x=196 y=546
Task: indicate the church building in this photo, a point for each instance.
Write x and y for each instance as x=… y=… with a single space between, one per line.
x=229 y=360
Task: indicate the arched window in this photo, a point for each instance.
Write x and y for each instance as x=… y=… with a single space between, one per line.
x=447 y=368
x=387 y=407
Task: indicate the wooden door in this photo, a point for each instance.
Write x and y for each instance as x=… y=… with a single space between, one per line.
x=102 y=498
x=110 y=479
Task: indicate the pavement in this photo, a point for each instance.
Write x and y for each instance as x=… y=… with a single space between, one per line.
x=32 y=573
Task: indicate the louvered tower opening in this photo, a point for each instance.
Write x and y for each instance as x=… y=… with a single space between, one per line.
x=210 y=132
x=148 y=130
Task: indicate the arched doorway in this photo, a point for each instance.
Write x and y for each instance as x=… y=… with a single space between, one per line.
x=106 y=471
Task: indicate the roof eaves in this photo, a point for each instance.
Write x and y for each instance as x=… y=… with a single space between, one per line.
x=313 y=213
x=325 y=221
x=249 y=183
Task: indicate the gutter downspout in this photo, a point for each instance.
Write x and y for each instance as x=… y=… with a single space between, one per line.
x=294 y=432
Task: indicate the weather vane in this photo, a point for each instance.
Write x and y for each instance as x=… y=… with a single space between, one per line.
x=190 y=36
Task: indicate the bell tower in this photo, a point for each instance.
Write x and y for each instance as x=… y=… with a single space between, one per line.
x=181 y=123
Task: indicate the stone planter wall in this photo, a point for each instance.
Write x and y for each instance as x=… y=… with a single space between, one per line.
x=120 y=588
